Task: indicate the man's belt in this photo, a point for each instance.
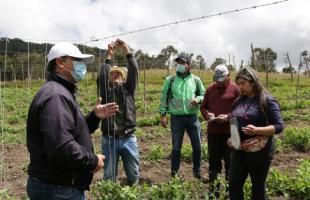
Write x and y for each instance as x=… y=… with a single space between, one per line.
x=121 y=134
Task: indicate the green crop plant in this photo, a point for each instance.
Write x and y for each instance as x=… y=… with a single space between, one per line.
x=12 y=119
x=299 y=186
x=173 y=189
x=186 y=153
x=139 y=132
x=277 y=183
x=156 y=153
x=4 y=194
x=296 y=185
x=222 y=186
x=278 y=144
x=204 y=151
x=148 y=121
x=298 y=138
x=107 y=190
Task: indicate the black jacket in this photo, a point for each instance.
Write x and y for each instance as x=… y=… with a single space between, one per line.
x=58 y=136
x=124 y=95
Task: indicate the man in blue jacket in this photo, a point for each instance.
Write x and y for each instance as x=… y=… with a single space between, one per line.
x=62 y=161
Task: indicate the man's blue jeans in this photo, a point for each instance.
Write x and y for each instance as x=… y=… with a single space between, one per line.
x=190 y=124
x=127 y=149
x=38 y=190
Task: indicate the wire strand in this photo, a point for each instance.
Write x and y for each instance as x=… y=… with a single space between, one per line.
x=187 y=20
x=93 y=39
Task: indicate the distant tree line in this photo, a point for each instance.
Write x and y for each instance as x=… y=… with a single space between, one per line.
x=21 y=65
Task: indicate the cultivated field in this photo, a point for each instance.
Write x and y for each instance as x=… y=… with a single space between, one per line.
x=288 y=179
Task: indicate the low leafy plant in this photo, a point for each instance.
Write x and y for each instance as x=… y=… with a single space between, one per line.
x=172 y=189
x=299 y=186
x=107 y=190
x=292 y=186
x=148 y=121
x=295 y=185
x=186 y=153
x=4 y=194
x=277 y=183
x=278 y=144
x=299 y=138
x=139 y=132
x=221 y=187
x=156 y=153
x=204 y=152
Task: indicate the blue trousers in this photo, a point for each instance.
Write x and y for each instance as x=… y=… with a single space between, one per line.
x=39 y=190
x=190 y=124
x=127 y=149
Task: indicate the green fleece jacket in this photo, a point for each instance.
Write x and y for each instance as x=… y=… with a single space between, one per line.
x=183 y=90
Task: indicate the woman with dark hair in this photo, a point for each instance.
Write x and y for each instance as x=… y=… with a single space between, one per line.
x=258 y=118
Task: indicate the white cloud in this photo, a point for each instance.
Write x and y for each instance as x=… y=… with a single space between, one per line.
x=284 y=27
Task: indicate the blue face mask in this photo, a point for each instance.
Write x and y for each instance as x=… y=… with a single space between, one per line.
x=79 y=70
x=181 y=68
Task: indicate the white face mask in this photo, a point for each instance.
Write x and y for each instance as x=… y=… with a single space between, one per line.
x=181 y=68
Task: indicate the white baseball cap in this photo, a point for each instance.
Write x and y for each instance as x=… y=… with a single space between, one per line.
x=68 y=49
x=220 y=73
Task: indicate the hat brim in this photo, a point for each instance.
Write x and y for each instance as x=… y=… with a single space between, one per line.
x=86 y=58
x=219 y=78
x=180 y=59
x=122 y=70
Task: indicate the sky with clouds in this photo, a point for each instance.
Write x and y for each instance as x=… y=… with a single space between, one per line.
x=283 y=27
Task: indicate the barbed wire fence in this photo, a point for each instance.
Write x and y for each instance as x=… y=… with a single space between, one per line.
x=27 y=73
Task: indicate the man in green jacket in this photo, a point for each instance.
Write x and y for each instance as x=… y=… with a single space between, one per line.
x=181 y=95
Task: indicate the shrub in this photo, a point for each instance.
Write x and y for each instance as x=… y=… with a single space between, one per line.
x=278 y=144
x=173 y=189
x=107 y=190
x=148 y=121
x=186 y=153
x=298 y=138
x=299 y=186
x=156 y=153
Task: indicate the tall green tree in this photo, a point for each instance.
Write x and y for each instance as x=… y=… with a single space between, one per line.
x=147 y=61
x=217 y=62
x=265 y=57
x=200 y=62
x=230 y=67
x=167 y=53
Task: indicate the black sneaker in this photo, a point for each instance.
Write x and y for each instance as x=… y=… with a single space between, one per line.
x=174 y=174
x=200 y=177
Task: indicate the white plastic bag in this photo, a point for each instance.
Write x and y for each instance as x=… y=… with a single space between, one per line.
x=234 y=133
